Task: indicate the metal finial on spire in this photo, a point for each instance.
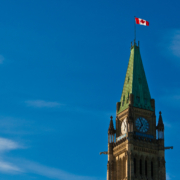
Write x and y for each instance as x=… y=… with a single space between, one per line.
x=134 y=28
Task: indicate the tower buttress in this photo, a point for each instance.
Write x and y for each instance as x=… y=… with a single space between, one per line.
x=160 y=127
x=161 y=155
x=111 y=164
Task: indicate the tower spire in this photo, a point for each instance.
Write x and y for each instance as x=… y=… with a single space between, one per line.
x=160 y=125
x=160 y=128
x=111 y=130
x=135 y=83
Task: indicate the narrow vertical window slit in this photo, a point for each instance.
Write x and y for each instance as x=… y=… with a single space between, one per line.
x=135 y=166
x=140 y=167
x=146 y=168
x=151 y=169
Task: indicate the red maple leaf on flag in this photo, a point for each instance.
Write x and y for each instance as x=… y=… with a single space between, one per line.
x=141 y=21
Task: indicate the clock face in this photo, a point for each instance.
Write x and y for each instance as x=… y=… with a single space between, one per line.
x=142 y=124
x=124 y=126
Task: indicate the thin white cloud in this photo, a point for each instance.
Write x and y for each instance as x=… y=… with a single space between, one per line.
x=170 y=176
x=42 y=103
x=19 y=166
x=53 y=173
x=175 y=43
x=170 y=44
x=1 y=59
x=7 y=144
x=24 y=166
x=9 y=167
x=167 y=176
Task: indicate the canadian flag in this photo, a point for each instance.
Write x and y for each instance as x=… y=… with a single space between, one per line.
x=141 y=21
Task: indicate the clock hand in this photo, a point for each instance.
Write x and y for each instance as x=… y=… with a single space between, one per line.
x=141 y=123
x=141 y=126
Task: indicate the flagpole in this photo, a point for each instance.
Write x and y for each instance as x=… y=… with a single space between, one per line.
x=134 y=29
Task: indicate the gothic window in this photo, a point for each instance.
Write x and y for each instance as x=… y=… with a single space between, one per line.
x=145 y=101
x=134 y=165
x=160 y=135
x=146 y=168
x=128 y=79
x=123 y=100
x=151 y=169
x=128 y=98
x=138 y=99
x=140 y=167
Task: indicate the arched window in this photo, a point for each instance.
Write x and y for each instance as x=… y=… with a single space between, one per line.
x=127 y=98
x=160 y=135
x=151 y=169
x=123 y=100
x=145 y=101
x=146 y=168
x=140 y=167
x=134 y=165
x=138 y=99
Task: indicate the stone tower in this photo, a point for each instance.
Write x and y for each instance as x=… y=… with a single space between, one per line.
x=137 y=151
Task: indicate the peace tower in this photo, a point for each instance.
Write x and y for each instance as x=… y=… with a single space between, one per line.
x=138 y=151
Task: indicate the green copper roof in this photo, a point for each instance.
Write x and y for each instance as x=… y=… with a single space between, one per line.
x=135 y=83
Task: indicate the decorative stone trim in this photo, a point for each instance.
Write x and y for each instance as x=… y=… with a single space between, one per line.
x=145 y=150
x=124 y=113
x=119 y=142
x=146 y=112
x=144 y=139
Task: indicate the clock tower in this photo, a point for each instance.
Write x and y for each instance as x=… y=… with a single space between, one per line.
x=136 y=146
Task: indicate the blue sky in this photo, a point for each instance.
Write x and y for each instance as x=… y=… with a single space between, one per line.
x=62 y=69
